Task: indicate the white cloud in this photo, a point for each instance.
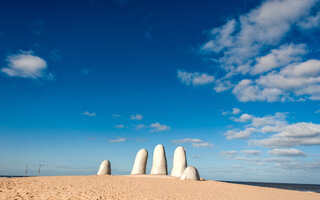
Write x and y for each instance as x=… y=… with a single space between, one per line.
x=246 y=90
x=310 y=22
x=243 y=118
x=26 y=65
x=222 y=85
x=55 y=55
x=286 y=152
x=230 y=153
x=253 y=44
x=239 y=40
x=90 y=114
x=118 y=140
x=278 y=160
x=298 y=79
x=136 y=117
x=251 y=152
x=184 y=140
x=195 y=78
x=140 y=126
x=232 y=134
x=235 y=111
x=284 y=134
x=116 y=115
x=296 y=134
x=194 y=142
x=285 y=55
x=268 y=123
x=314 y=165
x=247 y=159
x=155 y=127
x=195 y=156
x=202 y=144
x=119 y=126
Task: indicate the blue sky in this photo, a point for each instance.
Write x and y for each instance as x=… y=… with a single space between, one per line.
x=237 y=83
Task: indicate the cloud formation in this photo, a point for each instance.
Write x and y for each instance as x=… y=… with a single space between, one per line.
x=116 y=115
x=90 y=114
x=240 y=40
x=283 y=133
x=119 y=139
x=119 y=126
x=194 y=142
x=26 y=65
x=296 y=134
x=258 y=57
x=195 y=78
x=286 y=152
x=155 y=127
x=136 y=117
x=300 y=79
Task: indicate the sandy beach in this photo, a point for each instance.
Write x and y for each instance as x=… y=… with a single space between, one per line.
x=138 y=187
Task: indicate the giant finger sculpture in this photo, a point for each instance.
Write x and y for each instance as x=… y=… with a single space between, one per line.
x=179 y=162
x=140 y=163
x=190 y=173
x=105 y=168
x=159 y=164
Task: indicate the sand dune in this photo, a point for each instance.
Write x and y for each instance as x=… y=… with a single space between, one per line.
x=137 y=187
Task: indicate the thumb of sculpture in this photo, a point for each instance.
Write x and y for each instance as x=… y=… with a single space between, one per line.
x=190 y=173
x=105 y=168
x=140 y=163
x=159 y=164
x=179 y=162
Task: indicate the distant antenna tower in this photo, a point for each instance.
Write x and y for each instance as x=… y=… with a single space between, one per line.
x=26 y=170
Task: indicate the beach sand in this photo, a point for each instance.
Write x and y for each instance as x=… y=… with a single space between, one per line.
x=138 y=187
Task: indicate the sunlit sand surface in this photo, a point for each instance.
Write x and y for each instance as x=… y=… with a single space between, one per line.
x=138 y=187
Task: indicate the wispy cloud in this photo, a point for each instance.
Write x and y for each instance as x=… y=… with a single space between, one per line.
x=202 y=144
x=300 y=79
x=239 y=40
x=230 y=153
x=90 y=114
x=307 y=166
x=116 y=115
x=136 y=117
x=251 y=152
x=195 y=78
x=233 y=134
x=268 y=123
x=296 y=134
x=55 y=55
x=119 y=139
x=286 y=152
x=252 y=47
x=195 y=156
x=184 y=140
x=140 y=126
x=194 y=142
x=119 y=126
x=155 y=127
x=248 y=152
x=234 y=111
